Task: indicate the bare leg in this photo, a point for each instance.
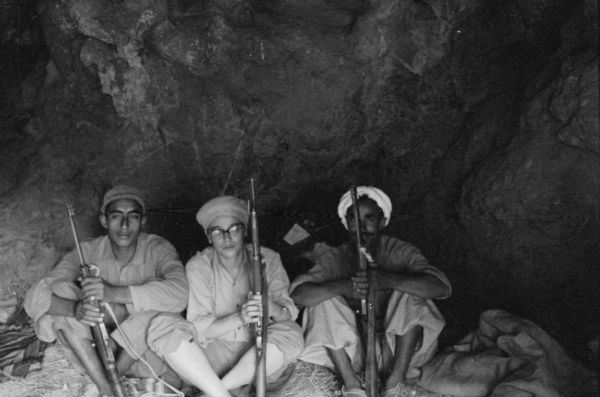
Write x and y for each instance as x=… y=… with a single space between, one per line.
x=89 y=359
x=191 y=364
x=405 y=348
x=343 y=364
x=243 y=372
x=124 y=361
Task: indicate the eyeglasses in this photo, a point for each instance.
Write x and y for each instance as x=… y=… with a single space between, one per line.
x=234 y=231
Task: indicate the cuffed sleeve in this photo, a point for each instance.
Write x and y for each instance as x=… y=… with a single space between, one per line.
x=405 y=257
x=39 y=297
x=37 y=303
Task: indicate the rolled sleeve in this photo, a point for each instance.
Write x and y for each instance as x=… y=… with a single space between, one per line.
x=167 y=292
x=37 y=303
x=200 y=311
x=437 y=273
x=301 y=279
x=327 y=267
x=279 y=283
x=39 y=297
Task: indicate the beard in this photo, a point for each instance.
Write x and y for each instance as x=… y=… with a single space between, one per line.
x=368 y=240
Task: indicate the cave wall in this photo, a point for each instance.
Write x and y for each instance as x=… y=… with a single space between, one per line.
x=480 y=119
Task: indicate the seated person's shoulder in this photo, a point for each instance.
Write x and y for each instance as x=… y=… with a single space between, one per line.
x=390 y=243
x=156 y=242
x=201 y=260
x=269 y=255
x=322 y=248
x=327 y=261
x=322 y=251
x=153 y=239
x=265 y=251
x=93 y=248
x=94 y=243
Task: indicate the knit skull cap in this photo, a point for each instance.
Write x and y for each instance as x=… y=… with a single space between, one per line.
x=375 y=194
x=222 y=206
x=120 y=192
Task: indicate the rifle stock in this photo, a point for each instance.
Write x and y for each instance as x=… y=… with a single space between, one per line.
x=260 y=288
x=367 y=305
x=101 y=338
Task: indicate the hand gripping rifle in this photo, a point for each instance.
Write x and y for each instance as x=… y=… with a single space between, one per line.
x=261 y=289
x=101 y=338
x=367 y=305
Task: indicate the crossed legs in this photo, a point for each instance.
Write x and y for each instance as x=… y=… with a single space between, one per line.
x=192 y=365
x=405 y=348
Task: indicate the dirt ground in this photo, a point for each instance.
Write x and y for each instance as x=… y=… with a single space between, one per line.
x=56 y=377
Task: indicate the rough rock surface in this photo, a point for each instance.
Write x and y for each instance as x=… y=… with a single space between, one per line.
x=480 y=119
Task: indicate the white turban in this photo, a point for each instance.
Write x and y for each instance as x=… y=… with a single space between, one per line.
x=375 y=194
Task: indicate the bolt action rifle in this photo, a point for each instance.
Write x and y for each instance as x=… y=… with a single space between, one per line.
x=261 y=289
x=101 y=338
x=367 y=305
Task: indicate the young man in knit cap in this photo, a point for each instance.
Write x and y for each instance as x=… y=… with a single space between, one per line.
x=213 y=349
x=139 y=275
x=407 y=321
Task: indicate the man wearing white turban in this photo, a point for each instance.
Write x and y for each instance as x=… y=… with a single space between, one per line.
x=407 y=321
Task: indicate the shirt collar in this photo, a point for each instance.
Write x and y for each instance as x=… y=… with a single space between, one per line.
x=138 y=257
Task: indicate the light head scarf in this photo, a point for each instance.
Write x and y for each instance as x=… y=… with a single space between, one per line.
x=222 y=206
x=375 y=194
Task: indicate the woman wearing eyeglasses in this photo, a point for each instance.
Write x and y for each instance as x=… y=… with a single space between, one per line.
x=214 y=349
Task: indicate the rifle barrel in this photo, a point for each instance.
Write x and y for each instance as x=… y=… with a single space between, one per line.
x=99 y=330
x=260 y=288
x=75 y=234
x=367 y=305
x=357 y=233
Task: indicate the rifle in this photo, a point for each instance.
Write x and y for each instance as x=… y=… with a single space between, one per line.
x=260 y=288
x=367 y=305
x=101 y=338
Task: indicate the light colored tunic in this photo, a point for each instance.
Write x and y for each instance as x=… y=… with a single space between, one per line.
x=155 y=276
x=332 y=323
x=214 y=293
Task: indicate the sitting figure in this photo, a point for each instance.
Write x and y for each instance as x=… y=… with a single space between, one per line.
x=138 y=275
x=407 y=321
x=214 y=349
